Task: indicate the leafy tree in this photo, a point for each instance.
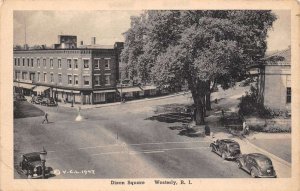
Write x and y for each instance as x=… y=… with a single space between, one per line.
x=202 y=48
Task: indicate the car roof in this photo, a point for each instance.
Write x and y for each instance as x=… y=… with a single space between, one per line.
x=259 y=156
x=228 y=141
x=31 y=154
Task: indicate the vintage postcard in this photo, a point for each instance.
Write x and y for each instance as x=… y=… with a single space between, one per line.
x=163 y=95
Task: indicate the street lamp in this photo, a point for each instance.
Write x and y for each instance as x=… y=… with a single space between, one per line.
x=43 y=155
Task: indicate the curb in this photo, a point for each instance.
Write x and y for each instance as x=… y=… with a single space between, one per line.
x=268 y=153
x=129 y=102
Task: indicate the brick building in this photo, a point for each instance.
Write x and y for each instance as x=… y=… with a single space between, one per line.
x=86 y=74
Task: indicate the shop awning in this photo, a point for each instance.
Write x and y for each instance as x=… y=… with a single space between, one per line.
x=23 y=85
x=151 y=87
x=129 y=89
x=104 y=91
x=40 y=88
x=67 y=91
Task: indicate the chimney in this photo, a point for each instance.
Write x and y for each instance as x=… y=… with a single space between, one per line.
x=81 y=43
x=93 y=40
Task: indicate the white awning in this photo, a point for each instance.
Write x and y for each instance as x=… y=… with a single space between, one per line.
x=23 y=85
x=129 y=89
x=40 y=88
x=67 y=91
x=149 y=87
x=104 y=91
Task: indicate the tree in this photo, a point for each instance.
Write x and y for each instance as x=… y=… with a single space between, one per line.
x=202 y=48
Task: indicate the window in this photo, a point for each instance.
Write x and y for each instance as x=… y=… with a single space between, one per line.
x=97 y=80
x=28 y=62
x=59 y=63
x=86 y=80
x=107 y=79
x=18 y=61
x=15 y=61
x=75 y=79
x=45 y=77
x=24 y=75
x=17 y=75
x=99 y=97
x=23 y=61
x=75 y=63
x=51 y=63
x=31 y=62
x=107 y=64
x=38 y=62
x=97 y=64
x=288 y=95
x=59 y=78
x=86 y=64
x=51 y=78
x=38 y=76
x=44 y=63
x=70 y=79
x=69 y=63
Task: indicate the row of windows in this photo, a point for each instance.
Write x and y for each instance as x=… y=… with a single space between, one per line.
x=70 y=64
x=72 y=79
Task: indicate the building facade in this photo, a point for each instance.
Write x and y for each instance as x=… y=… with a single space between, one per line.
x=84 y=75
x=275 y=81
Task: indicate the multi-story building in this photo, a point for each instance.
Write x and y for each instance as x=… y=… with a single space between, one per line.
x=86 y=74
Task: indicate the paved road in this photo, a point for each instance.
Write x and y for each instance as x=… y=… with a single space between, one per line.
x=122 y=141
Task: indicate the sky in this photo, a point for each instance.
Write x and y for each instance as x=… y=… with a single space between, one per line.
x=43 y=27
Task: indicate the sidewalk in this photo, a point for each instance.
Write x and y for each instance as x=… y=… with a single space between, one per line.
x=118 y=103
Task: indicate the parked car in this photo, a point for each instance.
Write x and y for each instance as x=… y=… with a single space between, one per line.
x=48 y=101
x=258 y=165
x=36 y=99
x=227 y=148
x=31 y=165
x=19 y=97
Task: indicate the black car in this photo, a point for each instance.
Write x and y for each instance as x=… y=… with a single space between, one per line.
x=48 y=101
x=258 y=165
x=19 y=97
x=227 y=148
x=31 y=165
x=36 y=99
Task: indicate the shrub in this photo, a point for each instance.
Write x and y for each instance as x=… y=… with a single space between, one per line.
x=249 y=105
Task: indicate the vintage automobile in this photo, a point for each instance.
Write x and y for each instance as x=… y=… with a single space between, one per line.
x=258 y=165
x=19 y=97
x=227 y=148
x=36 y=99
x=48 y=101
x=31 y=165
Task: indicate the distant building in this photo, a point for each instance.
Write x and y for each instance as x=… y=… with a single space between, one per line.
x=275 y=81
x=86 y=74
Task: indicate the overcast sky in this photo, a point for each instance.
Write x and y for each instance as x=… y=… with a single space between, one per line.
x=42 y=27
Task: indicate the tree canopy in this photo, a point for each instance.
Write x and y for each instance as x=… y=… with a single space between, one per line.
x=200 y=48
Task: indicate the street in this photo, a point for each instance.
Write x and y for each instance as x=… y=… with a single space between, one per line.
x=121 y=141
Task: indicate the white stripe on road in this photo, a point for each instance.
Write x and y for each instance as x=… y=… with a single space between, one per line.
x=139 y=152
x=136 y=144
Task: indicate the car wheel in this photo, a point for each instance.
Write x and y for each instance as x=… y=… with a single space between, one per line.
x=254 y=172
x=29 y=176
x=223 y=156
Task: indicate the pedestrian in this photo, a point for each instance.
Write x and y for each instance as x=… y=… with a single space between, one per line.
x=45 y=118
x=245 y=128
x=223 y=113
